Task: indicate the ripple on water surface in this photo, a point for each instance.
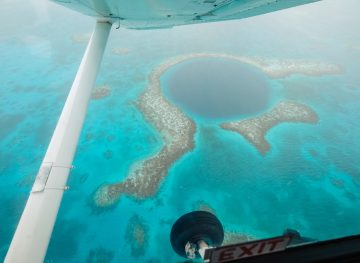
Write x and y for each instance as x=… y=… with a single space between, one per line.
x=217 y=88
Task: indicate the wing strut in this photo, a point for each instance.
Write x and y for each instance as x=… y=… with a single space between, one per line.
x=33 y=232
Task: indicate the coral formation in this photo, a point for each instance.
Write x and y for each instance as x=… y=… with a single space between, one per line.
x=101 y=92
x=100 y=255
x=255 y=129
x=177 y=130
x=137 y=236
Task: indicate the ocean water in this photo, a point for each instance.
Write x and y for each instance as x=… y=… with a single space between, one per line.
x=309 y=181
x=217 y=88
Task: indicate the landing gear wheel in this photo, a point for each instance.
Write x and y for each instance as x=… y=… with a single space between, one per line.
x=194 y=227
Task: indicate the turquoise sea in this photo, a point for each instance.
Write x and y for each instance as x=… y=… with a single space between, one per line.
x=309 y=181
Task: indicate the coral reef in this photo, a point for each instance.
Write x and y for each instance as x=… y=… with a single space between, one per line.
x=255 y=129
x=101 y=92
x=203 y=206
x=233 y=237
x=137 y=236
x=100 y=255
x=177 y=130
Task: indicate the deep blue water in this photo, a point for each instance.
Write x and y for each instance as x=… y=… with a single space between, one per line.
x=218 y=88
x=296 y=185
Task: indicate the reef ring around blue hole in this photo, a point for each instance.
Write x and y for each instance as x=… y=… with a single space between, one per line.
x=217 y=87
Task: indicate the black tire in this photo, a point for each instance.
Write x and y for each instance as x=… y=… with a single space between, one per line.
x=196 y=226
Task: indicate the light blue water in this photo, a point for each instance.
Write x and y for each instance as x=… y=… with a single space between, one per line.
x=291 y=187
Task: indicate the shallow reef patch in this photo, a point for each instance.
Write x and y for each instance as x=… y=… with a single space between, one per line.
x=65 y=245
x=137 y=235
x=108 y=154
x=100 y=255
x=255 y=129
x=101 y=92
x=201 y=205
x=9 y=123
x=233 y=237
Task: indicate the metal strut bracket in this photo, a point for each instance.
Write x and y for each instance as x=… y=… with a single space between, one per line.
x=43 y=175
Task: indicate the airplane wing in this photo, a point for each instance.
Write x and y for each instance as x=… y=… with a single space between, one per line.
x=149 y=14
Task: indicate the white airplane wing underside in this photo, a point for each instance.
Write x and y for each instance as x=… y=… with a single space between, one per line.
x=147 y=14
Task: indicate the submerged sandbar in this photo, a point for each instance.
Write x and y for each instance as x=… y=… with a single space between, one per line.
x=255 y=129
